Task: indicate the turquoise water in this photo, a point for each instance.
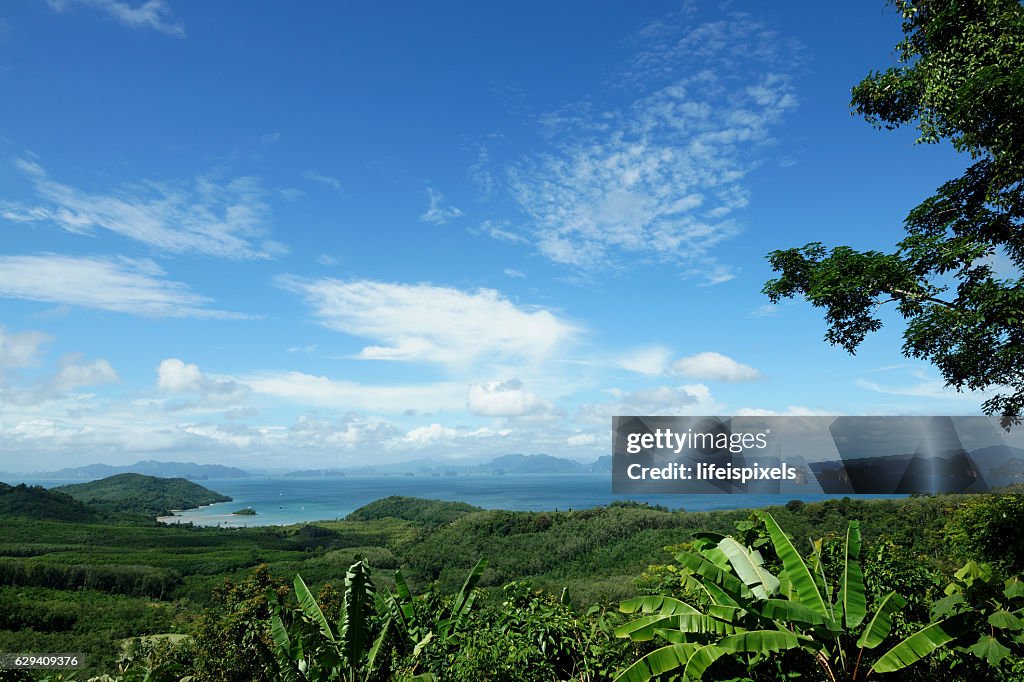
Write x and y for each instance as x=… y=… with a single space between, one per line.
x=294 y=500
x=281 y=501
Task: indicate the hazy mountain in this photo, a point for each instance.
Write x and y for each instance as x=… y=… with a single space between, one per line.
x=189 y=470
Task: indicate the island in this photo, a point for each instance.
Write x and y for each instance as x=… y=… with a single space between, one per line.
x=248 y=511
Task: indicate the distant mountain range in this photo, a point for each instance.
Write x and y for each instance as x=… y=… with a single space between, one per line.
x=189 y=470
x=505 y=464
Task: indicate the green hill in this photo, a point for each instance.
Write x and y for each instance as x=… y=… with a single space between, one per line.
x=139 y=494
x=427 y=512
x=36 y=502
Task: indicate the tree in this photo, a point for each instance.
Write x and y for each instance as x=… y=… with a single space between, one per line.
x=959 y=76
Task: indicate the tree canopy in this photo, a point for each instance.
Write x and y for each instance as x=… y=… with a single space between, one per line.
x=959 y=76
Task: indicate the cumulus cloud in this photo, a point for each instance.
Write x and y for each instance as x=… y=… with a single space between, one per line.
x=174 y=376
x=224 y=219
x=505 y=399
x=425 y=322
x=20 y=349
x=117 y=284
x=76 y=373
x=712 y=366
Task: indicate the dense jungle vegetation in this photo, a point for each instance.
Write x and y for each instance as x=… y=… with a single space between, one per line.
x=442 y=589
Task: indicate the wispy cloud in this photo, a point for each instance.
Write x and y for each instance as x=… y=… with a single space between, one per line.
x=437 y=212
x=326 y=180
x=425 y=322
x=649 y=360
x=661 y=178
x=202 y=216
x=660 y=400
x=154 y=14
x=321 y=391
x=117 y=284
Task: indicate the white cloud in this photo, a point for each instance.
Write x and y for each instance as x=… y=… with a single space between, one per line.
x=661 y=178
x=225 y=220
x=437 y=212
x=320 y=391
x=174 y=376
x=154 y=14
x=649 y=360
x=75 y=374
x=711 y=366
x=583 y=439
x=505 y=399
x=326 y=180
x=515 y=274
x=934 y=388
x=425 y=322
x=660 y=400
x=791 y=411
x=121 y=285
x=20 y=349
x=437 y=433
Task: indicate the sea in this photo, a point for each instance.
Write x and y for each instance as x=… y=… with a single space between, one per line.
x=288 y=500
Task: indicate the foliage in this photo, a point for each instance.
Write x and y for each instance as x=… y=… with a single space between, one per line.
x=426 y=512
x=232 y=642
x=36 y=502
x=990 y=528
x=959 y=76
x=813 y=610
x=140 y=494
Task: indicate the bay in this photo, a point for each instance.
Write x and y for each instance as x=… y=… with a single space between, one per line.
x=286 y=500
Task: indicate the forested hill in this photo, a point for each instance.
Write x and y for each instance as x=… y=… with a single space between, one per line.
x=35 y=502
x=139 y=494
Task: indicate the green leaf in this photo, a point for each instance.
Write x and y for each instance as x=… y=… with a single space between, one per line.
x=881 y=623
x=354 y=632
x=1004 y=620
x=796 y=569
x=851 y=587
x=749 y=566
x=913 y=648
x=379 y=644
x=794 y=612
x=466 y=596
x=701 y=660
x=989 y=649
x=1014 y=588
x=656 y=604
x=760 y=641
x=715 y=574
x=311 y=609
x=658 y=662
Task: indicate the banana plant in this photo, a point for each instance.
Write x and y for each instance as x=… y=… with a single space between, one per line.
x=750 y=612
x=314 y=650
x=372 y=623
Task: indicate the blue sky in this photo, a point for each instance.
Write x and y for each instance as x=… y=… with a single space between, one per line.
x=331 y=234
